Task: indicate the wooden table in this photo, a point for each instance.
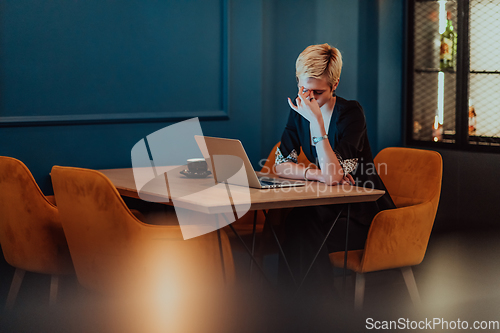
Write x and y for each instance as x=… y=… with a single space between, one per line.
x=213 y=202
x=204 y=196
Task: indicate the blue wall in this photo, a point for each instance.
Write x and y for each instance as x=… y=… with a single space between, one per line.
x=265 y=37
x=370 y=36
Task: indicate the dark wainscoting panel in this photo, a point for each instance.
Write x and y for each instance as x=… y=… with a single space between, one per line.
x=104 y=61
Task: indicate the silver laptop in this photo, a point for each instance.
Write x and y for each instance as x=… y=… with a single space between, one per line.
x=226 y=156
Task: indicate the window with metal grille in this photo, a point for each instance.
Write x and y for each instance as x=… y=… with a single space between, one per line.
x=458 y=105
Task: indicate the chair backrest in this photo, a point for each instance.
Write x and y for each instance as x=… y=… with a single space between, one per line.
x=268 y=167
x=31 y=234
x=110 y=247
x=399 y=237
x=411 y=176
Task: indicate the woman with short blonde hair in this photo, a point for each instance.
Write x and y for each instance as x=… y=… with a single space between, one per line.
x=318 y=61
x=331 y=132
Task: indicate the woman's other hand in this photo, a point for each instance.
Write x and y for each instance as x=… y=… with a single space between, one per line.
x=349 y=180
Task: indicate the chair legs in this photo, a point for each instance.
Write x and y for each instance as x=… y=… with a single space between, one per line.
x=411 y=285
x=54 y=284
x=14 y=288
x=359 y=291
x=16 y=285
x=407 y=272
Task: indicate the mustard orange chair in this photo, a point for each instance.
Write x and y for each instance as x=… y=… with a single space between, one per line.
x=115 y=253
x=31 y=234
x=398 y=237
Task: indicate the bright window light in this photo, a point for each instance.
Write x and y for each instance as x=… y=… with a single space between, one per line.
x=440 y=97
x=442 y=16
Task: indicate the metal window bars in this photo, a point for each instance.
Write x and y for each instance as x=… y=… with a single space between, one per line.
x=458 y=107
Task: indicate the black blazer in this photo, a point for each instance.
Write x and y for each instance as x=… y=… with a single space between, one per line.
x=348 y=137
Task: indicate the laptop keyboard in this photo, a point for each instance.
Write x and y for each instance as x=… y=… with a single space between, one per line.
x=266 y=183
x=271 y=182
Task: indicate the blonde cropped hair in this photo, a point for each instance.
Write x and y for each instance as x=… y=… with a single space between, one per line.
x=318 y=60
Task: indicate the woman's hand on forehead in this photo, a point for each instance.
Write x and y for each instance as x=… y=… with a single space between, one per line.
x=306 y=105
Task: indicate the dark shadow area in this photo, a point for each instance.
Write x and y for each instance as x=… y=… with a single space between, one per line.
x=458 y=280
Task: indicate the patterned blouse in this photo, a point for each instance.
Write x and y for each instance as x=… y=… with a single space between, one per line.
x=348 y=165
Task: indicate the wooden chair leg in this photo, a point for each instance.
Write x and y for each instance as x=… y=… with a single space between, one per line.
x=54 y=285
x=359 y=291
x=411 y=285
x=14 y=288
x=353 y=278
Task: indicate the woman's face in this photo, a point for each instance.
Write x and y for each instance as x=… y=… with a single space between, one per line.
x=320 y=88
